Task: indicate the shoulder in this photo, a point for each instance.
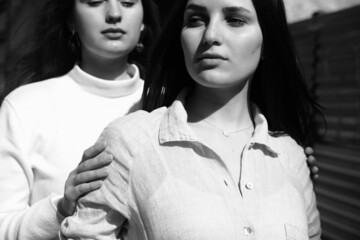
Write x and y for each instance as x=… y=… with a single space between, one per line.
x=290 y=150
x=134 y=129
x=38 y=92
x=34 y=103
x=141 y=120
x=127 y=136
x=286 y=143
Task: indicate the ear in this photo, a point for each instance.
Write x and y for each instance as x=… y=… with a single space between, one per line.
x=142 y=27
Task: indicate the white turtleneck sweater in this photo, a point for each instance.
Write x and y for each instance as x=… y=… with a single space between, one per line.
x=44 y=129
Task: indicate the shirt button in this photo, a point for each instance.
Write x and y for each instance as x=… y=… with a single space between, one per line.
x=247 y=231
x=249 y=185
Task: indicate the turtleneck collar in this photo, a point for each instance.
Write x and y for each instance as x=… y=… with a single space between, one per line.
x=107 y=88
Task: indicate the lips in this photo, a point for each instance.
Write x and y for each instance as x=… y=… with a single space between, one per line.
x=210 y=59
x=113 y=33
x=205 y=56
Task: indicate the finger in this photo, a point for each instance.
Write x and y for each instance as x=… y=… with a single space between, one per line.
x=90 y=176
x=309 y=150
x=314 y=170
x=311 y=160
x=94 y=150
x=87 y=187
x=99 y=161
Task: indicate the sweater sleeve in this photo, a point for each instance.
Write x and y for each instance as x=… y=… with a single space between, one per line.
x=101 y=213
x=19 y=220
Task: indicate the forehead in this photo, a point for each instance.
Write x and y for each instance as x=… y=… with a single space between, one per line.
x=220 y=4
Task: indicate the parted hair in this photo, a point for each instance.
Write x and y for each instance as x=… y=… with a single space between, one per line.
x=44 y=53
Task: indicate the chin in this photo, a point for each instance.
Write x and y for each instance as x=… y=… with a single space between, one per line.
x=211 y=78
x=212 y=83
x=219 y=81
x=116 y=52
x=118 y=46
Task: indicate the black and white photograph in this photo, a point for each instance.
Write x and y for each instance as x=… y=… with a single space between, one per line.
x=180 y=119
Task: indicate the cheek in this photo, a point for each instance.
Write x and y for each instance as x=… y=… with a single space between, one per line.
x=184 y=40
x=83 y=24
x=256 y=44
x=189 y=43
x=137 y=28
x=249 y=51
x=133 y=19
x=137 y=19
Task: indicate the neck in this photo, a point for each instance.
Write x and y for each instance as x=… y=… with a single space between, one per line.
x=228 y=109
x=109 y=69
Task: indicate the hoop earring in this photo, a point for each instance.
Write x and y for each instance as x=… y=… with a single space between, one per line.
x=139 y=47
x=73 y=42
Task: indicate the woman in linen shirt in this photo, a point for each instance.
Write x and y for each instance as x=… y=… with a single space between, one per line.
x=85 y=64
x=219 y=156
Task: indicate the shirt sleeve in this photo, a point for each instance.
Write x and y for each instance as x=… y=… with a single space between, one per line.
x=101 y=213
x=301 y=170
x=19 y=220
x=312 y=212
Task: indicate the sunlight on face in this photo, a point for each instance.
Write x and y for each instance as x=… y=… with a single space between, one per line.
x=221 y=41
x=109 y=29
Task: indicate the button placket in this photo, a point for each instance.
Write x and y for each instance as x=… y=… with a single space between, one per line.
x=247 y=231
x=249 y=185
x=247 y=171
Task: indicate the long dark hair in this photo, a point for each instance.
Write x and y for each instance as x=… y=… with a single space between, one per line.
x=277 y=87
x=45 y=53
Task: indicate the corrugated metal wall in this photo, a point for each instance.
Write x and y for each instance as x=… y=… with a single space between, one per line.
x=329 y=46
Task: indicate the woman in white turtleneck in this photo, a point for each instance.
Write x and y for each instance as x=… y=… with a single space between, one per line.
x=46 y=125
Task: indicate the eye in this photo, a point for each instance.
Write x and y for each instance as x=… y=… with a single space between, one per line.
x=236 y=21
x=94 y=3
x=127 y=3
x=195 y=21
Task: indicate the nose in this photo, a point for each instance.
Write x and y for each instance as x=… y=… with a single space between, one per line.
x=212 y=34
x=113 y=12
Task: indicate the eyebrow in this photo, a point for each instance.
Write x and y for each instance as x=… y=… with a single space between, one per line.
x=195 y=7
x=230 y=10
x=227 y=10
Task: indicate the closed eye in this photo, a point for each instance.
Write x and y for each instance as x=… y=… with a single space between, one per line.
x=127 y=3
x=94 y=3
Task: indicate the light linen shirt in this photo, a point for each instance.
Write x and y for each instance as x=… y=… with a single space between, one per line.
x=169 y=185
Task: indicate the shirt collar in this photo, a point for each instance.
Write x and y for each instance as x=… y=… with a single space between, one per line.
x=261 y=138
x=174 y=127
